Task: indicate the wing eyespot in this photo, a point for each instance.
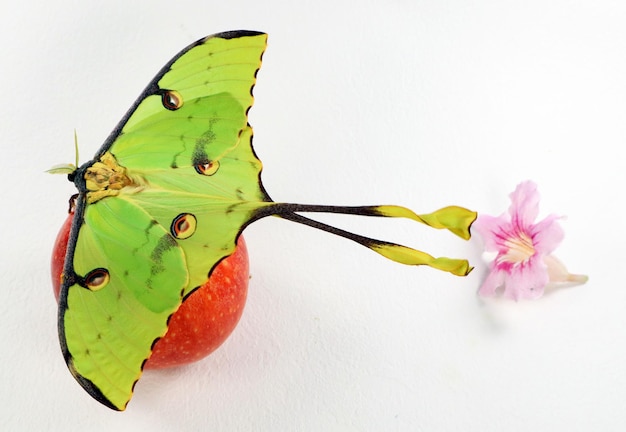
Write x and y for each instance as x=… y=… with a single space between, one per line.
x=97 y=279
x=183 y=226
x=171 y=100
x=207 y=168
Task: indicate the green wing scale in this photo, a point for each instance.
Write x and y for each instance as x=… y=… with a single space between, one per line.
x=164 y=201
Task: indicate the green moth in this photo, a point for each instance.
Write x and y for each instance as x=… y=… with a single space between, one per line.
x=164 y=200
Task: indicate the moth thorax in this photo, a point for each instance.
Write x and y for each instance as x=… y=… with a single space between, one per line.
x=105 y=178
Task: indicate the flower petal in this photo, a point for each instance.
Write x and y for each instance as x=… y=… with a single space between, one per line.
x=494 y=280
x=524 y=204
x=491 y=229
x=547 y=235
x=527 y=281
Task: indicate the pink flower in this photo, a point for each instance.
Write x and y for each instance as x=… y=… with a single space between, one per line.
x=523 y=264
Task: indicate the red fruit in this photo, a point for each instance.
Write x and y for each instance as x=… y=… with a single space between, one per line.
x=205 y=319
x=208 y=316
x=58 y=254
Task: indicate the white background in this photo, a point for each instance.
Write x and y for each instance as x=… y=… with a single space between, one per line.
x=419 y=103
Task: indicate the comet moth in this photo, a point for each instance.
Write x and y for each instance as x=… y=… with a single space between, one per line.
x=164 y=200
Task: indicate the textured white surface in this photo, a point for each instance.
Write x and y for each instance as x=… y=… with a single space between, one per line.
x=408 y=102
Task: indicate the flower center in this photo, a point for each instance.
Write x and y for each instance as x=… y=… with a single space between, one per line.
x=520 y=249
